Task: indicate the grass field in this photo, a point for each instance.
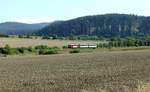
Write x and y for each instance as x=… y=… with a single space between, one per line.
x=17 y=42
x=117 y=71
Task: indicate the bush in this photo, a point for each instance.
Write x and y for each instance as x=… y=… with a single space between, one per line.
x=30 y=49
x=3 y=51
x=41 y=52
x=21 y=50
x=39 y=47
x=48 y=52
x=75 y=51
x=51 y=52
x=6 y=50
x=15 y=51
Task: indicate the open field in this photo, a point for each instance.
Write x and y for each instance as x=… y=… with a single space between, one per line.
x=118 y=71
x=17 y=42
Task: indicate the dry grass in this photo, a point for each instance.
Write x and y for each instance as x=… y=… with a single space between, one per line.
x=17 y=42
x=118 y=71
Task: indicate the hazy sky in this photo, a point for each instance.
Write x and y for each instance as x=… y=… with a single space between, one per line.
x=31 y=11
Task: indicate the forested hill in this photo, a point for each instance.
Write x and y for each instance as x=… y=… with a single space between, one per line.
x=109 y=25
x=16 y=28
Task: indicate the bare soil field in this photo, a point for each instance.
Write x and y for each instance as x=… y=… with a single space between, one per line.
x=118 y=71
x=17 y=42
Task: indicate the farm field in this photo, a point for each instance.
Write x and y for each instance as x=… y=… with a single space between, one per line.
x=117 y=71
x=22 y=42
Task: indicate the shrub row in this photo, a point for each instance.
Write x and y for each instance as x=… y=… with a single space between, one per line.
x=41 y=50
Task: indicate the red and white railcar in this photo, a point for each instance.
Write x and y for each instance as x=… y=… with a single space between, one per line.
x=73 y=46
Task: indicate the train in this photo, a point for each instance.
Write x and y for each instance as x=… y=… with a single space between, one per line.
x=82 y=46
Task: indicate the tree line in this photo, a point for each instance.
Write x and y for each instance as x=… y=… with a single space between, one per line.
x=128 y=42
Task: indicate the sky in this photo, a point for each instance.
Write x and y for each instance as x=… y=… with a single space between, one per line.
x=36 y=11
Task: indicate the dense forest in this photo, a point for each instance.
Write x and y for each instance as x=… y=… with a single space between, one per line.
x=109 y=25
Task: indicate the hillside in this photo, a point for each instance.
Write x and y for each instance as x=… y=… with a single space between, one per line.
x=109 y=25
x=16 y=28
